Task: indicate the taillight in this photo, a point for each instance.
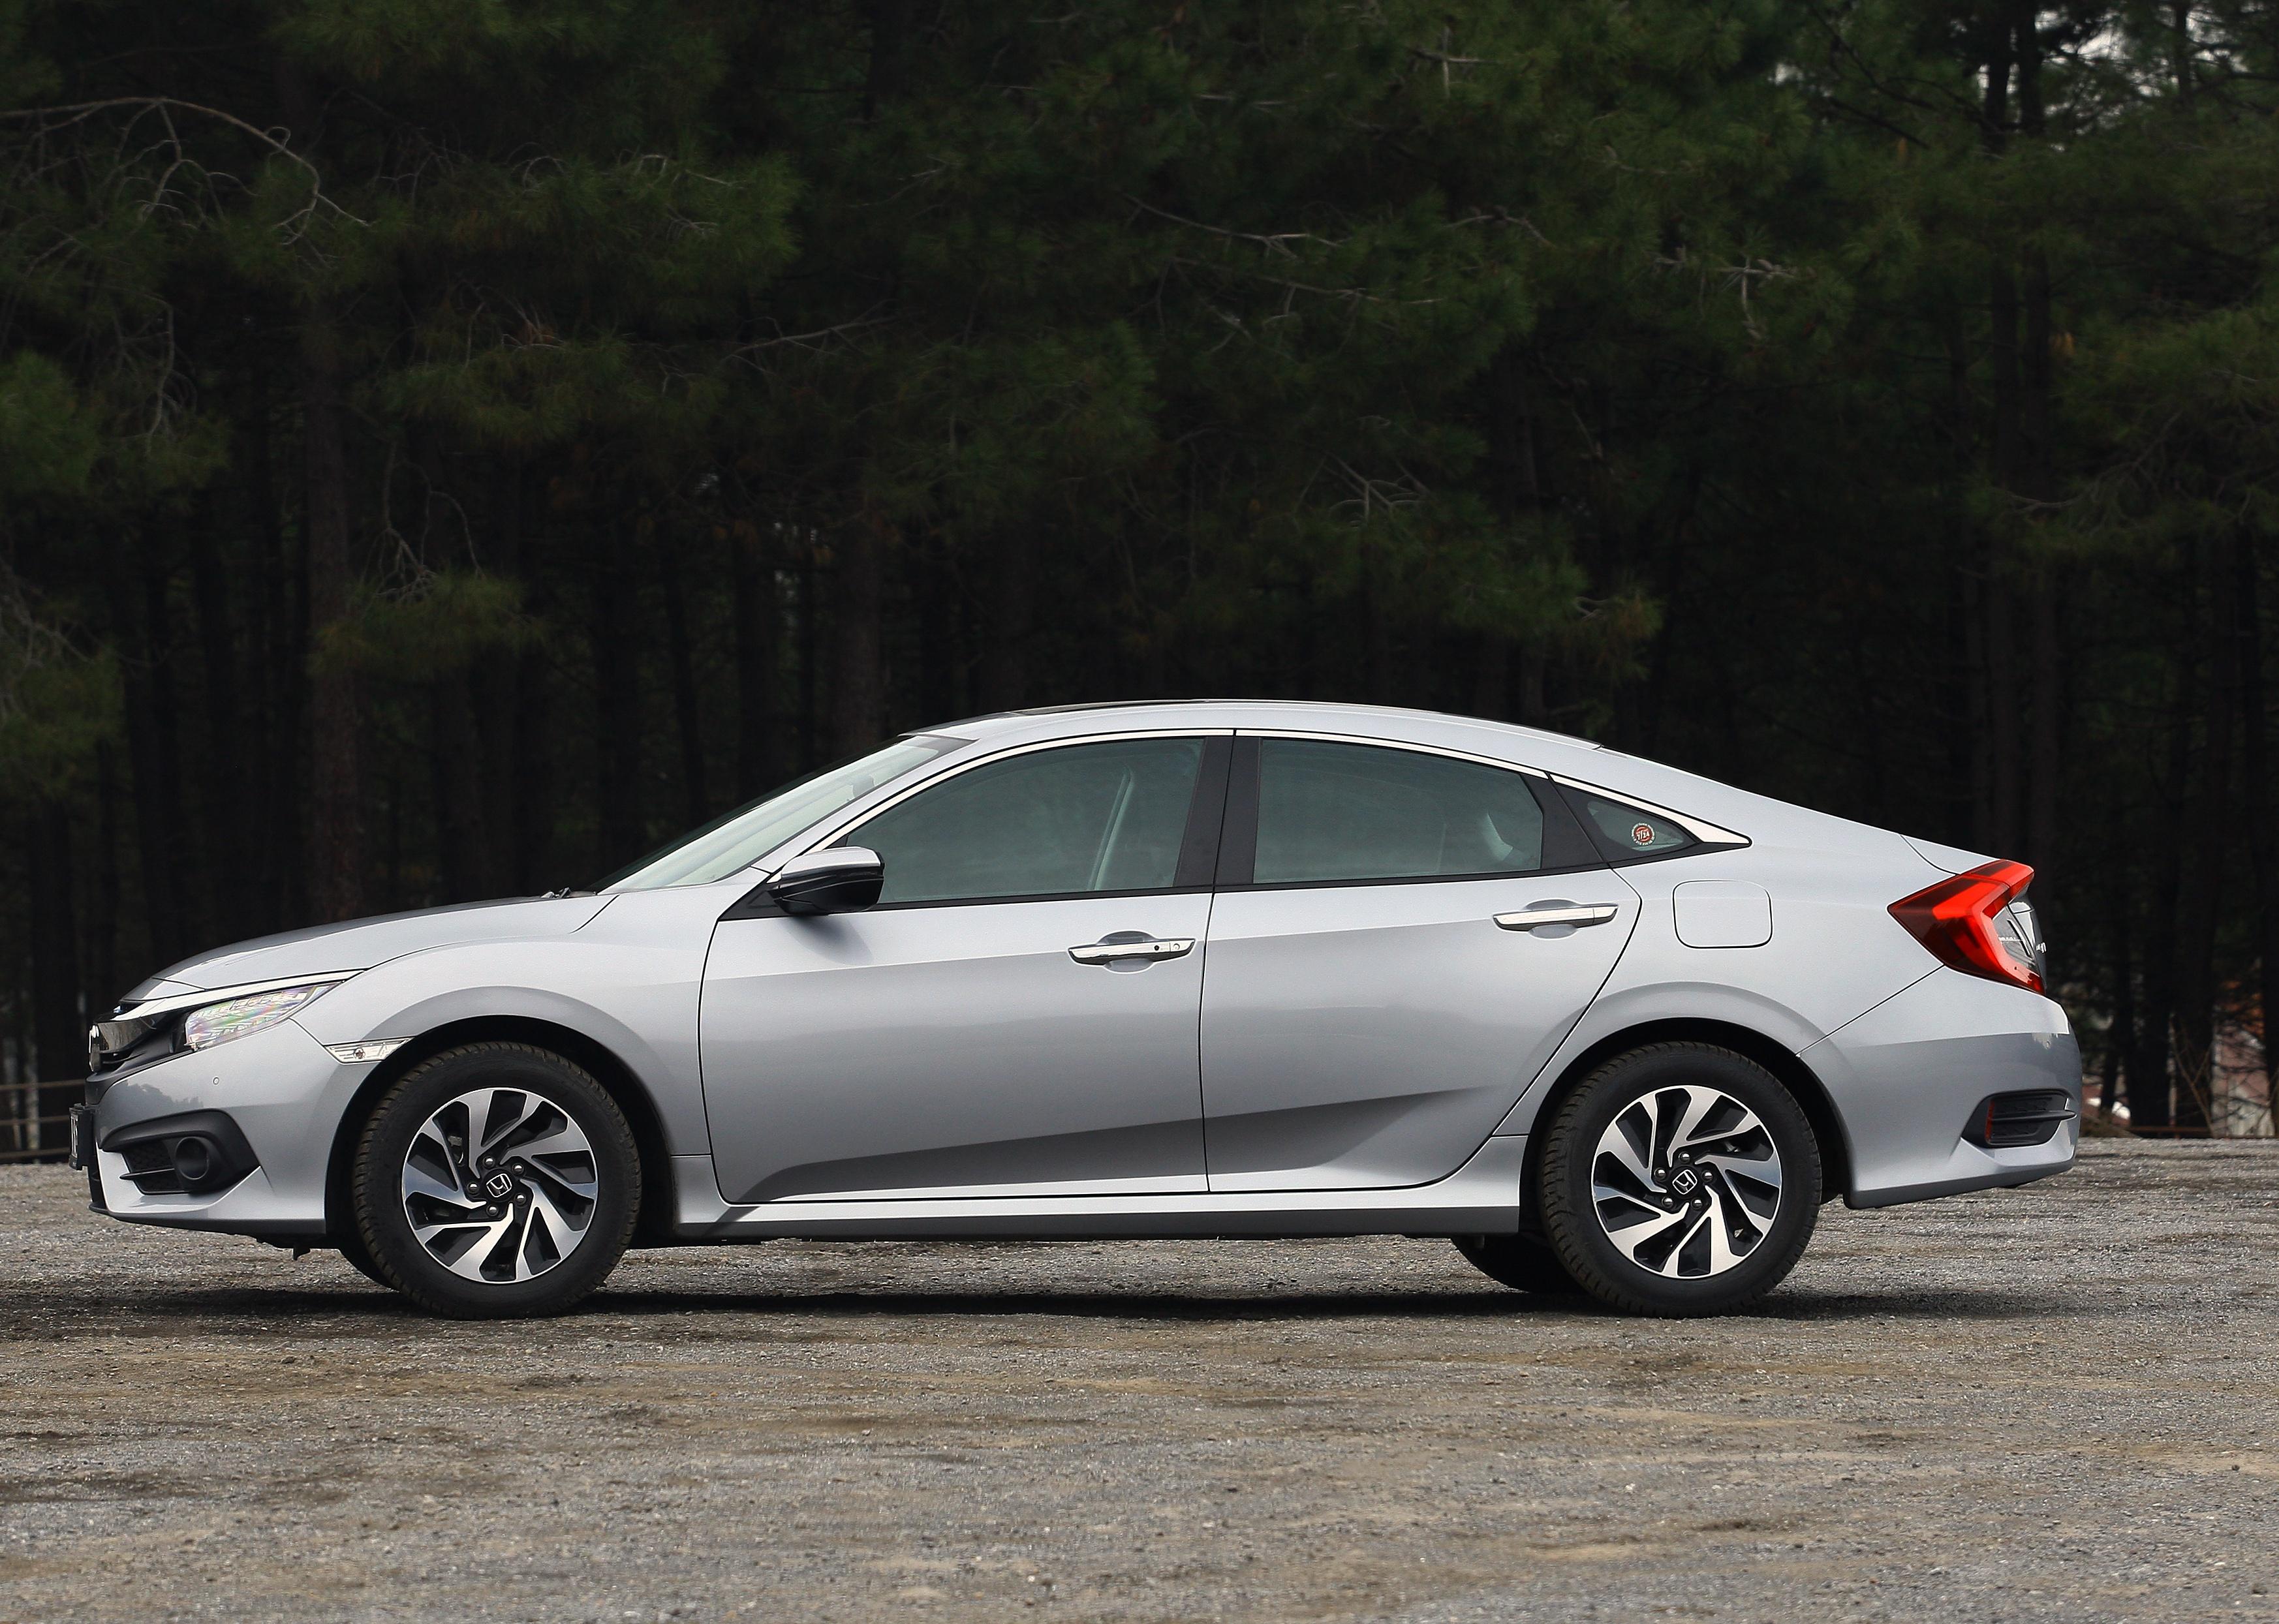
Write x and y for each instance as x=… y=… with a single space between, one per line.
x=1958 y=919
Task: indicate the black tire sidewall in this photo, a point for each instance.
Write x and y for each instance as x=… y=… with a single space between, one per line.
x=379 y=1210
x=1571 y=1218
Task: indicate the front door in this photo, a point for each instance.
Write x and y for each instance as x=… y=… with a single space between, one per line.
x=1016 y=1015
x=1367 y=1021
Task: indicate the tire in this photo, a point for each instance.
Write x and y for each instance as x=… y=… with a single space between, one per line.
x=1730 y=1191
x=534 y=1243
x=1520 y=1262
x=359 y=1258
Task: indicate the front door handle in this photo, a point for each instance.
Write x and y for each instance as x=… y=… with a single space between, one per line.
x=1145 y=947
x=1559 y=913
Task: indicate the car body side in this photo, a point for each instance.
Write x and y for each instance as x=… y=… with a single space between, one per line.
x=1898 y=1048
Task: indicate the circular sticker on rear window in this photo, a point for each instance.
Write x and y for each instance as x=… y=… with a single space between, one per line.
x=1642 y=834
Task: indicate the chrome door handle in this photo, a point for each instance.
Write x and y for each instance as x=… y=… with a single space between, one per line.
x=1558 y=913
x=1109 y=952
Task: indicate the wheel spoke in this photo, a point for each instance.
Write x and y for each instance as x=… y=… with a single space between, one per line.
x=531 y=1228
x=1685 y=1181
x=418 y=1181
x=1628 y=1237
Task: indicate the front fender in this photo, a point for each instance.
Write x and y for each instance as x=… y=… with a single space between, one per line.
x=630 y=981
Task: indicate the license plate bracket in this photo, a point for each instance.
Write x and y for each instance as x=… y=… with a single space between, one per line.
x=82 y=1137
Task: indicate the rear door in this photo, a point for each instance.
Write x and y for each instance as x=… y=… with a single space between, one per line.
x=1401 y=940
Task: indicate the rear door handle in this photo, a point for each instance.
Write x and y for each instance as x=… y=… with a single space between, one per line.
x=1155 y=948
x=1559 y=913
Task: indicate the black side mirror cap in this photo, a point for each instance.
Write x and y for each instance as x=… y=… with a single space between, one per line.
x=841 y=879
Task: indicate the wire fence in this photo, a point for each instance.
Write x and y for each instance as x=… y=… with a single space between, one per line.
x=25 y=1134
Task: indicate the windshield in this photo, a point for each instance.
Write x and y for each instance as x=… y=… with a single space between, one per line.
x=739 y=838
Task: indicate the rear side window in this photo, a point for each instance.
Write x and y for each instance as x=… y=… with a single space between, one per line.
x=1331 y=812
x=1628 y=832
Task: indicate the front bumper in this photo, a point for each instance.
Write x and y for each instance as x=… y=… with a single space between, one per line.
x=1910 y=1078
x=280 y=1090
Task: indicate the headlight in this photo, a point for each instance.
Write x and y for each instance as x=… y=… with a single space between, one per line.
x=241 y=1017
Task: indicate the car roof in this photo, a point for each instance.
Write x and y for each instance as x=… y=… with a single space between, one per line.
x=1315 y=715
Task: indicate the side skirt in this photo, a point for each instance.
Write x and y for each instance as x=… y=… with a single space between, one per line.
x=1480 y=1197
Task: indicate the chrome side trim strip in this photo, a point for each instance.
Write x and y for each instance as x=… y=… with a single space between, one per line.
x=1482 y=1196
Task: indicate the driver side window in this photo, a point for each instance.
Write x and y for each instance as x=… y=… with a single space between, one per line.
x=1071 y=822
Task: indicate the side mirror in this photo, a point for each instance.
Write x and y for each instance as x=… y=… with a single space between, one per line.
x=841 y=879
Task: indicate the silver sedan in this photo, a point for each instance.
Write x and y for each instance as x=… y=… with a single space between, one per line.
x=1223 y=968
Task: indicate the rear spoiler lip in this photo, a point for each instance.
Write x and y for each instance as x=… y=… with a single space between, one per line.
x=1947 y=859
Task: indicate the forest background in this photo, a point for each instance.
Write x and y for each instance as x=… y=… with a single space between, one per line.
x=448 y=446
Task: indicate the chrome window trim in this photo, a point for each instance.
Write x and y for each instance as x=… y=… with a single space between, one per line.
x=812 y=842
x=1708 y=833
x=1394 y=744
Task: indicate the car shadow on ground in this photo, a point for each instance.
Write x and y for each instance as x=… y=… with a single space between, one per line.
x=51 y=1311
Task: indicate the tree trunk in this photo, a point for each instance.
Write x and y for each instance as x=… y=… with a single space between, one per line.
x=2000 y=696
x=617 y=703
x=496 y=683
x=534 y=866
x=277 y=660
x=696 y=800
x=59 y=1019
x=2207 y=841
x=151 y=751
x=937 y=625
x=102 y=979
x=337 y=878
x=2255 y=798
x=1001 y=677
x=228 y=832
x=2149 y=1083
x=752 y=576
x=2120 y=1037
x=2033 y=480
x=857 y=694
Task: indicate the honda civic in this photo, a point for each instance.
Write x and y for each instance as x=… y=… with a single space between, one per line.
x=1220 y=969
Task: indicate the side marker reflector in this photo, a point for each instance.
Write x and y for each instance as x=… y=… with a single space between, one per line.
x=372 y=1049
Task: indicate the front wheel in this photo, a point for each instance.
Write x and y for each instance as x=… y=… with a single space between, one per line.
x=1679 y=1180
x=496 y=1181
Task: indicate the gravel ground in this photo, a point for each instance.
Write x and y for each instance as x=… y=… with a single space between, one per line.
x=2055 y=1402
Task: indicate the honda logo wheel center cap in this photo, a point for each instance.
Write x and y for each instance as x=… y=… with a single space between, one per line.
x=499 y=1185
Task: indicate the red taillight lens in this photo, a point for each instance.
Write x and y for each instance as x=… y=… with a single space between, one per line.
x=1956 y=918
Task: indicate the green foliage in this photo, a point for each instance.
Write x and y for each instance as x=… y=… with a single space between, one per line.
x=48 y=446
x=434 y=628
x=1737 y=382
x=58 y=701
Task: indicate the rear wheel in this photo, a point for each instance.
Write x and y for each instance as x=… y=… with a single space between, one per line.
x=1519 y=1262
x=496 y=1181
x=1679 y=1180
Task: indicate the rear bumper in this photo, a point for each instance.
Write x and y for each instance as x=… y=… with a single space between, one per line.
x=1908 y=1077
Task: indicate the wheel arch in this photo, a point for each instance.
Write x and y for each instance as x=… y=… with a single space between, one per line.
x=616 y=1078
x=1787 y=1067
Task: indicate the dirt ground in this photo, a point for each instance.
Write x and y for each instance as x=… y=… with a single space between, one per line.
x=2060 y=1402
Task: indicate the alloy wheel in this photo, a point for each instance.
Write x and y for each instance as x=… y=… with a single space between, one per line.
x=500 y=1185
x=1686 y=1182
